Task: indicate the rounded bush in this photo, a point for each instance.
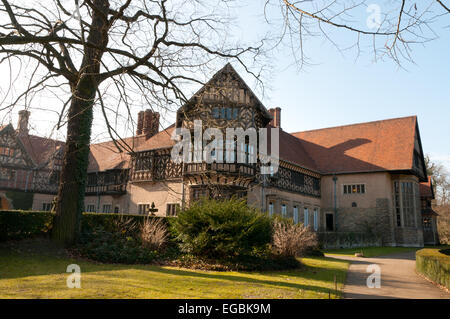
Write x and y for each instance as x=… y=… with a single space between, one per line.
x=222 y=229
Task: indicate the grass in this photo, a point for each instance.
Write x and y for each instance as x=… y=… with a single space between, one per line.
x=30 y=271
x=369 y=251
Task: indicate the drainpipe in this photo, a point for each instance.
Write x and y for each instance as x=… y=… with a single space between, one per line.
x=335 y=203
x=182 y=187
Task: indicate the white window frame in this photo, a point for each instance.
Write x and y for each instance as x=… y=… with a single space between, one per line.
x=106 y=205
x=354 y=184
x=295 y=213
x=283 y=210
x=306 y=216
x=167 y=209
x=271 y=208
x=91 y=211
x=144 y=205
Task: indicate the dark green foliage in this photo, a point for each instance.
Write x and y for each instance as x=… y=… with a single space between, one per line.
x=20 y=200
x=18 y=224
x=265 y=262
x=113 y=247
x=434 y=265
x=222 y=230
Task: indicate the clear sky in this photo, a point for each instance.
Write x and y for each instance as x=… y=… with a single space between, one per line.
x=336 y=90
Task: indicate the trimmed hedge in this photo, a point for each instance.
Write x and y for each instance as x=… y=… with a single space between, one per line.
x=434 y=265
x=18 y=224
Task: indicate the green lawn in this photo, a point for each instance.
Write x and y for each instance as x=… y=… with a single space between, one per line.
x=27 y=272
x=369 y=251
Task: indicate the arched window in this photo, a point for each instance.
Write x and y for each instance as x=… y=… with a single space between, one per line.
x=306 y=217
x=283 y=210
x=270 y=208
x=295 y=215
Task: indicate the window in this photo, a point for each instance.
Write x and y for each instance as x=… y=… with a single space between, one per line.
x=354 y=189
x=198 y=193
x=283 y=210
x=427 y=223
x=225 y=113
x=404 y=203
x=91 y=208
x=316 y=219
x=270 y=209
x=230 y=148
x=46 y=207
x=143 y=209
x=306 y=217
x=295 y=215
x=116 y=209
x=106 y=208
x=172 y=209
x=215 y=113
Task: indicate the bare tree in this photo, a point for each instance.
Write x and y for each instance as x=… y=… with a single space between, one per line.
x=385 y=29
x=98 y=48
x=440 y=178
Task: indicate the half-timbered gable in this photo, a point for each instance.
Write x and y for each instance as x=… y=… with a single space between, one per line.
x=224 y=101
x=15 y=164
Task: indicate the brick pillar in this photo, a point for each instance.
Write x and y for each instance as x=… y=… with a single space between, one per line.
x=276 y=117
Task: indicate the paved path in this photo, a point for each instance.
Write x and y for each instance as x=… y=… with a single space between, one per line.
x=398 y=279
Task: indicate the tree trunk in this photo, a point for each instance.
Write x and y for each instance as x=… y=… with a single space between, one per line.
x=70 y=200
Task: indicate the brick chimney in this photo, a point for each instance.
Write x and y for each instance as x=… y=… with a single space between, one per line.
x=276 y=115
x=22 y=125
x=150 y=124
x=140 y=123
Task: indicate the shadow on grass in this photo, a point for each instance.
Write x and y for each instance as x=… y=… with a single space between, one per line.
x=25 y=260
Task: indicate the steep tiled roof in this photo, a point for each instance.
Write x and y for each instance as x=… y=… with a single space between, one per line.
x=386 y=145
x=160 y=140
x=293 y=151
x=426 y=189
x=105 y=156
x=40 y=149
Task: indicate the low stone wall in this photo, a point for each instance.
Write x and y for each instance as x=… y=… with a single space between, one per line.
x=434 y=265
x=336 y=240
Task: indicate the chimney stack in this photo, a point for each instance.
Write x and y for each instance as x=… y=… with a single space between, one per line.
x=22 y=126
x=140 y=123
x=276 y=117
x=148 y=123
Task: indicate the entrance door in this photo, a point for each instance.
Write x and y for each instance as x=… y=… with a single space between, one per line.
x=329 y=222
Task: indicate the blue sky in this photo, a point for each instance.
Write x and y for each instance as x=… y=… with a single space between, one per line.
x=336 y=90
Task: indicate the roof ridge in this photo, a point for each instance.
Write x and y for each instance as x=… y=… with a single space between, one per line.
x=355 y=124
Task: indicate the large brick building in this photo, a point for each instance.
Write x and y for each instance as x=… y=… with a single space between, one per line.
x=342 y=179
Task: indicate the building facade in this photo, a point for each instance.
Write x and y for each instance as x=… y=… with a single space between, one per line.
x=355 y=178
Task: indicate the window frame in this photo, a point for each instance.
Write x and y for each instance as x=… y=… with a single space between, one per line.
x=347 y=189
